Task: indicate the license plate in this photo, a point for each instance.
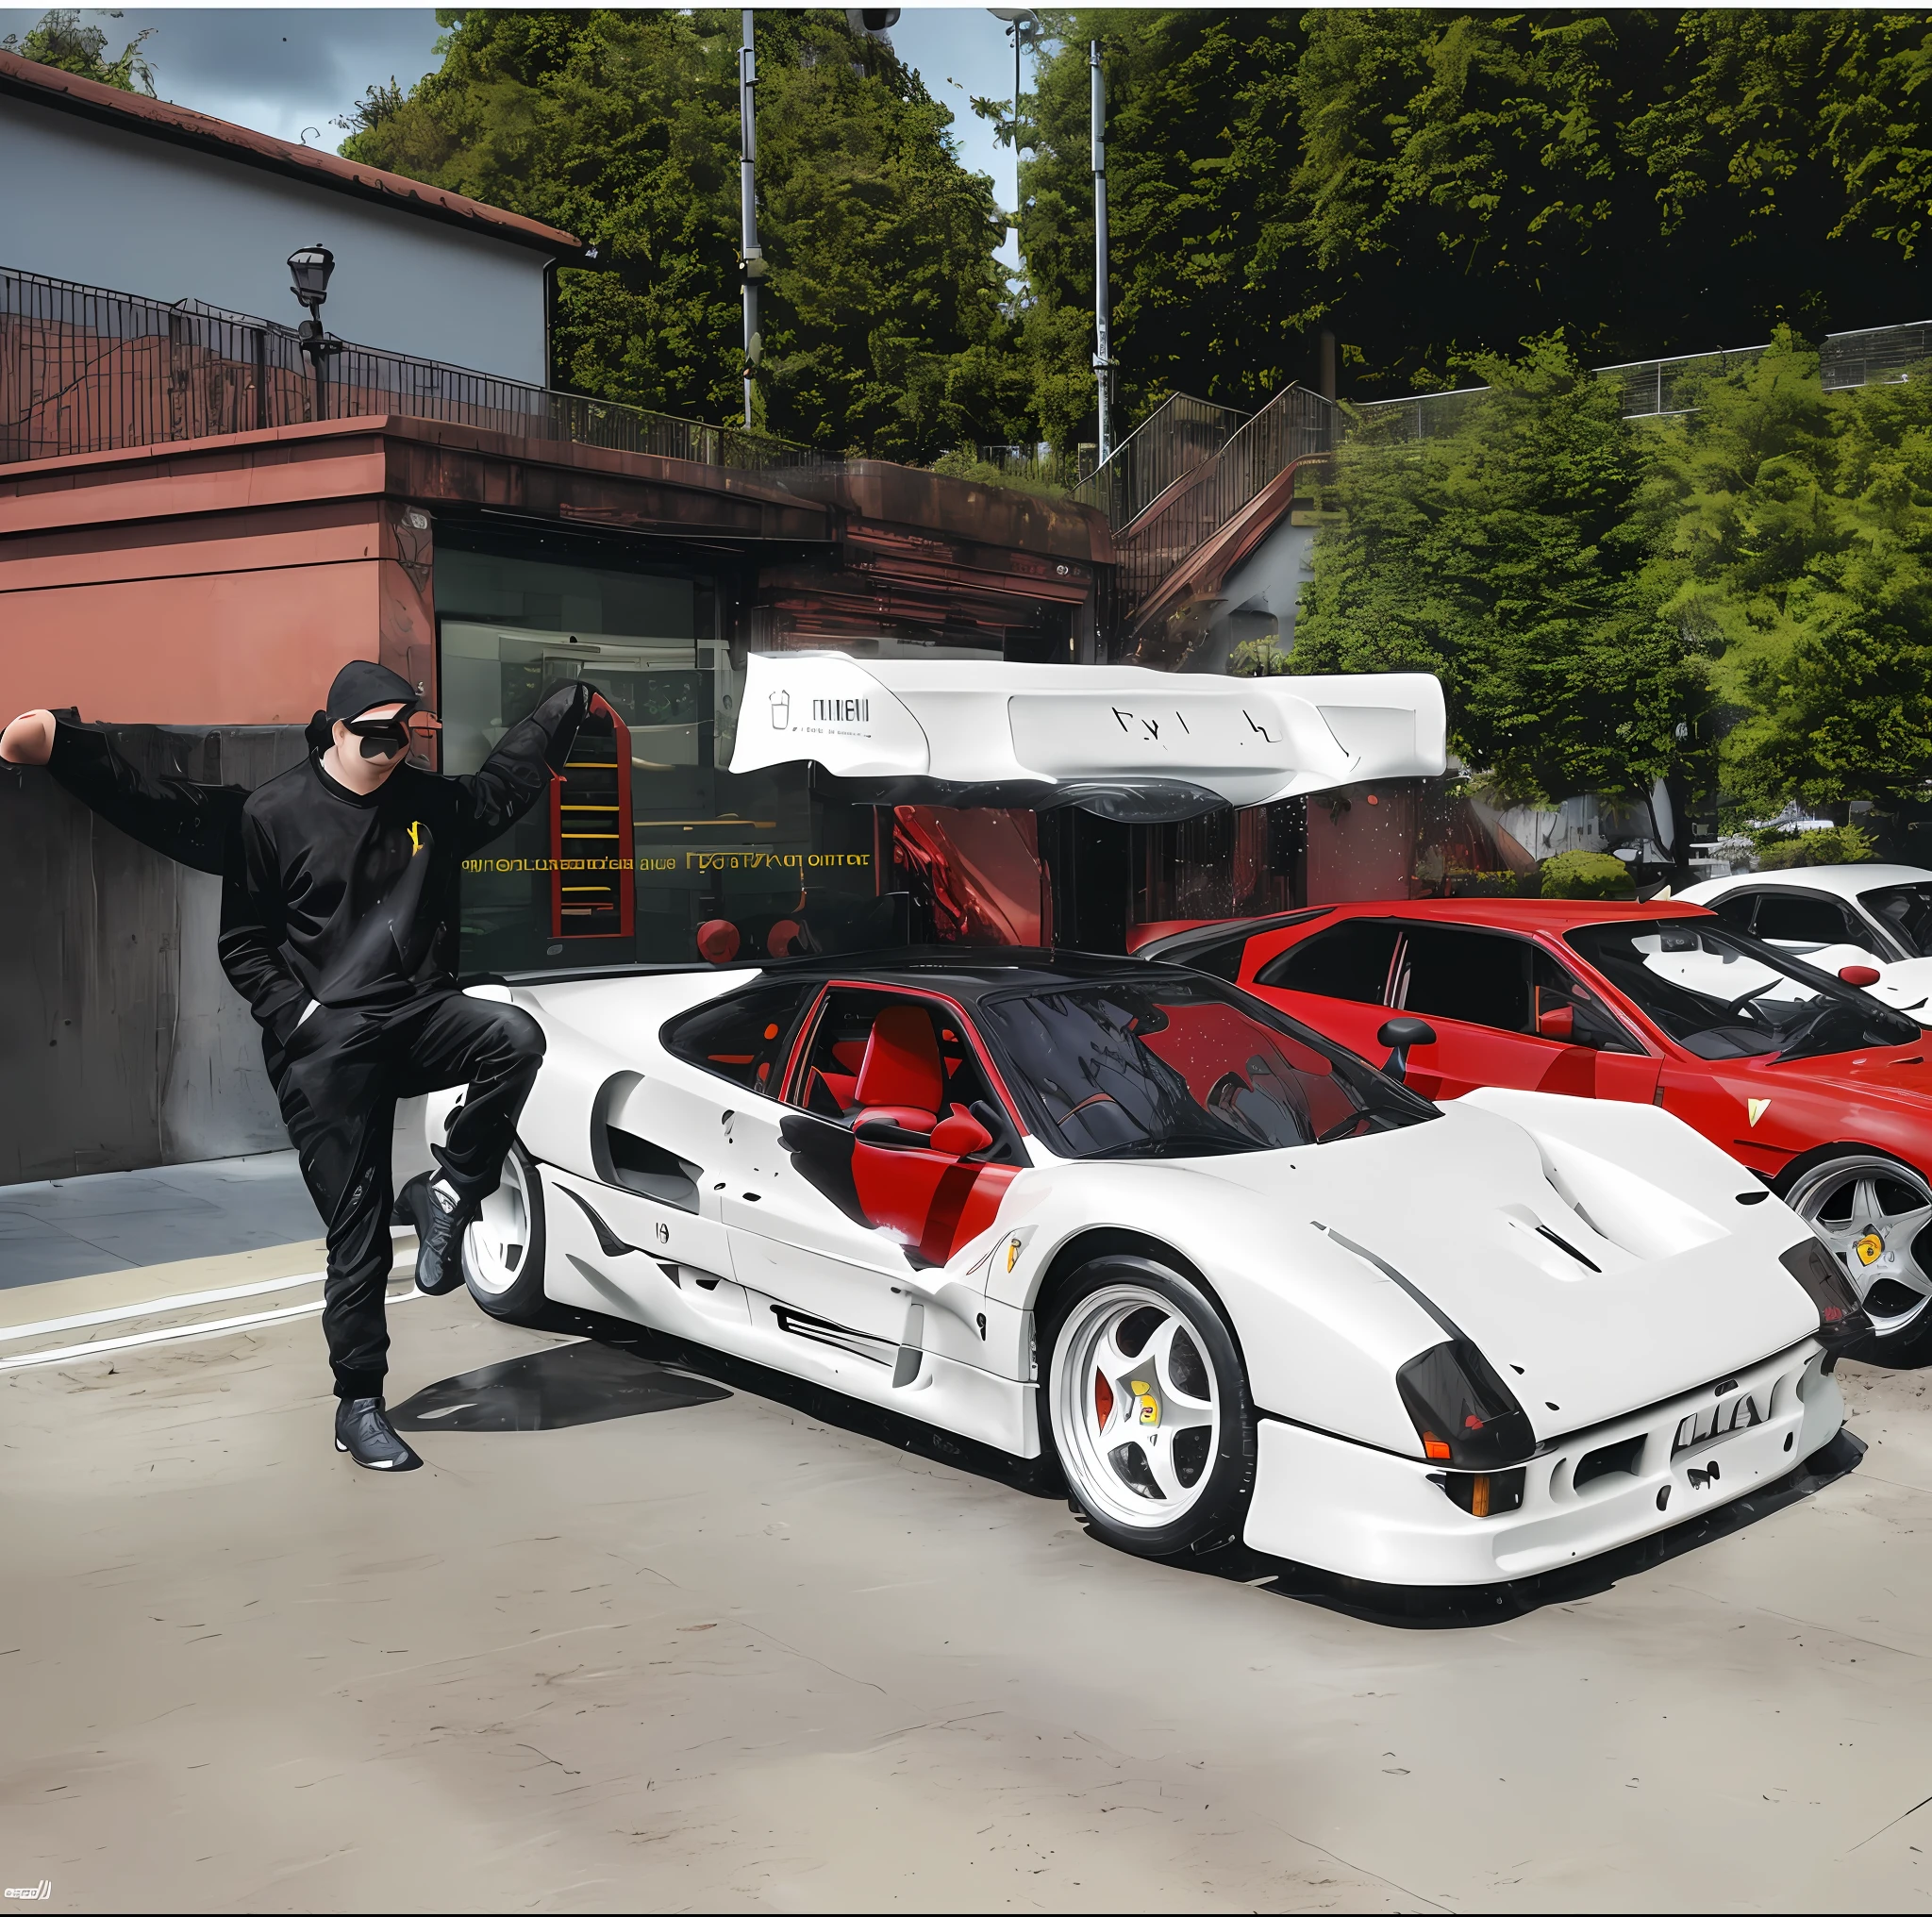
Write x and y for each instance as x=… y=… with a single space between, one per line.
x=1724 y=1418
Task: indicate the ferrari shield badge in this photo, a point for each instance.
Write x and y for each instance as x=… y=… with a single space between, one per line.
x=1758 y=1108
x=1149 y=1405
x=1870 y=1248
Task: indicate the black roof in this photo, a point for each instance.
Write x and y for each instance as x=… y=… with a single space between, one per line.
x=965 y=973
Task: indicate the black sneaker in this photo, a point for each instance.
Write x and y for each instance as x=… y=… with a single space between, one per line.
x=364 y=1431
x=442 y=1218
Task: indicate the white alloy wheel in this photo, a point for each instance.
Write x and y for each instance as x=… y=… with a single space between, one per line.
x=1870 y=1210
x=503 y=1248
x=1135 y=1412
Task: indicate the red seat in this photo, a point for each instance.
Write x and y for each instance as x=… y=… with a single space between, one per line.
x=902 y=1078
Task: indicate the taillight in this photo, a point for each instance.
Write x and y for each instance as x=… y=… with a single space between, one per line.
x=1464 y=1414
x=1829 y=1286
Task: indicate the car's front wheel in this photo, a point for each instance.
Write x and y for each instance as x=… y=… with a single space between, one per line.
x=503 y=1250
x=1148 y=1408
x=1875 y=1213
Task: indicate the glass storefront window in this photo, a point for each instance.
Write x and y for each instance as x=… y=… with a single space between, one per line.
x=648 y=851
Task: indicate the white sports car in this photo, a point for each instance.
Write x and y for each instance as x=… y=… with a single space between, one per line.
x=1237 y=1281
x=1856 y=920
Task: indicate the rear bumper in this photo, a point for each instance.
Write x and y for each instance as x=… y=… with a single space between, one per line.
x=1345 y=1508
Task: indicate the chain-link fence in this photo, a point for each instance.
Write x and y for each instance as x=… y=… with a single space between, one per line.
x=83 y=370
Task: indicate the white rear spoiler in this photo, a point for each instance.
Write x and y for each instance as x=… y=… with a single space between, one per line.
x=1122 y=741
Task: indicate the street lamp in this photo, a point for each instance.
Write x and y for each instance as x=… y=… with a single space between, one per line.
x=308 y=268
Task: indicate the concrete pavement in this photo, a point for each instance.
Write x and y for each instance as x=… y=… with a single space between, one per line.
x=722 y=1653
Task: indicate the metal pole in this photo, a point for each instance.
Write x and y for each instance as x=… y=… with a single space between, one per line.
x=1103 y=361
x=1019 y=40
x=753 y=268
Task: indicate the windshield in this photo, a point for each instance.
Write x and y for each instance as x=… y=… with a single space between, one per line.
x=1721 y=995
x=1906 y=912
x=1181 y=1069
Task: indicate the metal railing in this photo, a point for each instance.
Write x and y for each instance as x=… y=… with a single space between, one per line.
x=1181 y=434
x=1294 y=425
x=83 y=370
x=1655 y=388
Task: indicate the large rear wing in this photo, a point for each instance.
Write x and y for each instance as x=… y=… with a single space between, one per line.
x=1123 y=742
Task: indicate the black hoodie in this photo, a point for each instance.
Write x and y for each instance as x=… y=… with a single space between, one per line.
x=347 y=899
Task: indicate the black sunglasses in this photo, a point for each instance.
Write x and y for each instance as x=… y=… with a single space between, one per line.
x=381 y=738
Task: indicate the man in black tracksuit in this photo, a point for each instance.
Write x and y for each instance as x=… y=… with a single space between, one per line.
x=337 y=925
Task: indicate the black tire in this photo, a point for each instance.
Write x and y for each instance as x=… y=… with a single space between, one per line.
x=1816 y=1186
x=506 y=1288
x=1095 y=1425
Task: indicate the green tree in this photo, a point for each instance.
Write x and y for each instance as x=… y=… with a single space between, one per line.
x=1508 y=558
x=58 y=39
x=1435 y=184
x=881 y=317
x=1795 y=529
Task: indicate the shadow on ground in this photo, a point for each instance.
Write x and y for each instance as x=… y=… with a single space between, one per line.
x=551 y=1389
x=623 y=1369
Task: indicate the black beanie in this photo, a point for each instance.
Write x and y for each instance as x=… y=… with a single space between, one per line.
x=361 y=684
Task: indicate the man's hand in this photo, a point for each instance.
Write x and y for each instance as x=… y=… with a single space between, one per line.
x=29 y=740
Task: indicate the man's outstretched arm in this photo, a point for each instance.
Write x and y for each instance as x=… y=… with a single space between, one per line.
x=527 y=759
x=182 y=820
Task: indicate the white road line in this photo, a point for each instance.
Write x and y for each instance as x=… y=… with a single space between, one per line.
x=213 y=1327
x=182 y=1301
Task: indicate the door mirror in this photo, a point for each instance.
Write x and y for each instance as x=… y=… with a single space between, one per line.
x=1399 y=1034
x=1859 y=974
x=1559 y=1022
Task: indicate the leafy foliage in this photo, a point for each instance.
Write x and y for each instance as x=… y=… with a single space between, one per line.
x=880 y=318
x=57 y=39
x=1795 y=529
x=1436 y=184
x=1585 y=875
x=1841 y=845
x=1508 y=558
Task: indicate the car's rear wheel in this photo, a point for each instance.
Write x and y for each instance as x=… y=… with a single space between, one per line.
x=1148 y=1408
x=503 y=1249
x=1875 y=1213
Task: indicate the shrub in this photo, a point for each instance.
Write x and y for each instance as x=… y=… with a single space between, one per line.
x=1841 y=845
x=1587 y=876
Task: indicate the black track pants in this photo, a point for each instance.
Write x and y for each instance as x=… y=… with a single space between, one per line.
x=338 y=1079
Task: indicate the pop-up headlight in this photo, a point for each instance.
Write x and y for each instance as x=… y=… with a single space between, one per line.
x=1463 y=1412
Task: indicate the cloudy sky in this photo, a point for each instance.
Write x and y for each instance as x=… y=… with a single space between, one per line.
x=291 y=71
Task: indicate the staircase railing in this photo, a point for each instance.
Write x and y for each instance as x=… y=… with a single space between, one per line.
x=1293 y=426
x=1177 y=436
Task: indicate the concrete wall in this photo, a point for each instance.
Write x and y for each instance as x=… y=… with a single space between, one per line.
x=121 y=1042
x=90 y=203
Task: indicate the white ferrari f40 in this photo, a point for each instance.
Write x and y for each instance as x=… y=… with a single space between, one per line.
x=1237 y=1281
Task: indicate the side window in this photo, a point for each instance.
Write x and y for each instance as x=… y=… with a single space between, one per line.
x=1349 y=961
x=1735 y=909
x=1479 y=977
x=874 y=1054
x=1567 y=1011
x=741 y=1036
x=1792 y=918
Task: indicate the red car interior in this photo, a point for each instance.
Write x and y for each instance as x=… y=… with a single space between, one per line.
x=915 y=1072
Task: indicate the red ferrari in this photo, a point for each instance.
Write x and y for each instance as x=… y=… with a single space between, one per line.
x=1807 y=1080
